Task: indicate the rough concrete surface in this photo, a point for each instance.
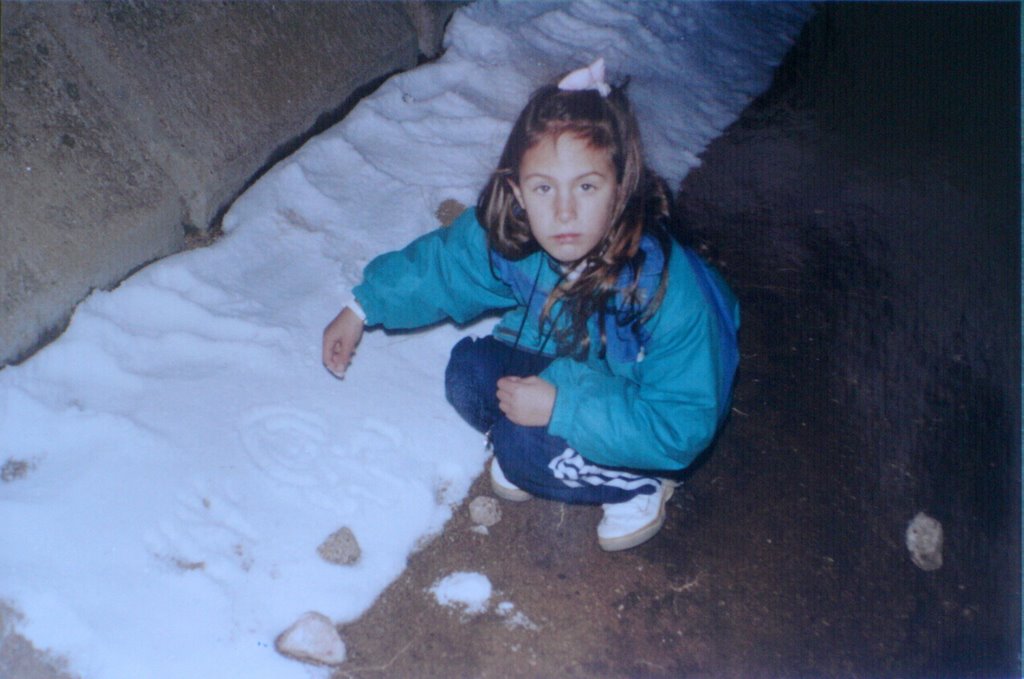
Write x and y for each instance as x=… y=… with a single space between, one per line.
x=126 y=125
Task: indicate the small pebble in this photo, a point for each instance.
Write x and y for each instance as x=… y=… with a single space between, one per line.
x=312 y=639
x=484 y=511
x=448 y=210
x=924 y=540
x=340 y=547
x=15 y=469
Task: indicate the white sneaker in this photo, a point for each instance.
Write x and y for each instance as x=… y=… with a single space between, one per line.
x=628 y=524
x=504 y=488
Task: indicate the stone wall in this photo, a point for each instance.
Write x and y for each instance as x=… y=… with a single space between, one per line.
x=127 y=126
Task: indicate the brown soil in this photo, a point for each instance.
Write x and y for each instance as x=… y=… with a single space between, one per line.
x=865 y=211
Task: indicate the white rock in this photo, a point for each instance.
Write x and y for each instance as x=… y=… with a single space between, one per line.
x=312 y=639
x=484 y=511
x=924 y=540
x=340 y=547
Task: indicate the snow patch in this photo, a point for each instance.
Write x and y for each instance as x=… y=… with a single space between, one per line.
x=468 y=592
x=514 y=618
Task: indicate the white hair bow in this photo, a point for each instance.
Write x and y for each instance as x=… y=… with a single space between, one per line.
x=587 y=78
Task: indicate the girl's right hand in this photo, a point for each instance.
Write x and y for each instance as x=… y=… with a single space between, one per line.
x=340 y=339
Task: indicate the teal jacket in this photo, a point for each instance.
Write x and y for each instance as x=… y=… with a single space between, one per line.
x=656 y=397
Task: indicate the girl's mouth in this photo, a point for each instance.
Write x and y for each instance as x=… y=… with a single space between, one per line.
x=566 y=237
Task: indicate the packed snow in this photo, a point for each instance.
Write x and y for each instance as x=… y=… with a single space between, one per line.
x=171 y=464
x=468 y=592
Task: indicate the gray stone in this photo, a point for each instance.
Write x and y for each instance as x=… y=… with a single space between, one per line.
x=79 y=206
x=430 y=18
x=924 y=541
x=484 y=511
x=340 y=547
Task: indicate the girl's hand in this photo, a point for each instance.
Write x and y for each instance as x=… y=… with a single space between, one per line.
x=340 y=339
x=527 y=401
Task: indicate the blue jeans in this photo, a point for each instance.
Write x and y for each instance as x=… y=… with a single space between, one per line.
x=531 y=458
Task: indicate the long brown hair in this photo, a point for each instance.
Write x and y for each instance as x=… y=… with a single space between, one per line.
x=641 y=205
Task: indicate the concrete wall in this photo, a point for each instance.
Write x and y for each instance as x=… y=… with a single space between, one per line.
x=126 y=126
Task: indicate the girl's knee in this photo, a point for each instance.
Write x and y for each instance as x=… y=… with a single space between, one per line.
x=469 y=385
x=462 y=377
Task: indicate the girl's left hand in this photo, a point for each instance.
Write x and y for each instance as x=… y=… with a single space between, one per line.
x=527 y=401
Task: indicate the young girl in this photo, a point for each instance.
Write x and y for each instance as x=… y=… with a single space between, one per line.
x=612 y=365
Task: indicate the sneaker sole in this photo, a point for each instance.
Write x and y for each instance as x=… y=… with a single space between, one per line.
x=510 y=493
x=641 y=535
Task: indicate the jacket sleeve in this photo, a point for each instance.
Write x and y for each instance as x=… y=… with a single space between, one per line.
x=443 y=274
x=659 y=416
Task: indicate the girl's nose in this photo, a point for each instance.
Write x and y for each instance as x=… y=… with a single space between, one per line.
x=566 y=207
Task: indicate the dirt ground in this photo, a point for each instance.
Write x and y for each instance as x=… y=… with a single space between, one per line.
x=866 y=211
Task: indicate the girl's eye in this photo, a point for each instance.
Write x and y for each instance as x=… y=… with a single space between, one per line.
x=541 y=188
x=588 y=187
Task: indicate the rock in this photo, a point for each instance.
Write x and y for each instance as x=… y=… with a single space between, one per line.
x=340 y=547
x=312 y=639
x=484 y=511
x=448 y=210
x=924 y=540
x=208 y=112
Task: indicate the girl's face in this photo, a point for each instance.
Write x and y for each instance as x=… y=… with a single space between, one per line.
x=568 y=189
